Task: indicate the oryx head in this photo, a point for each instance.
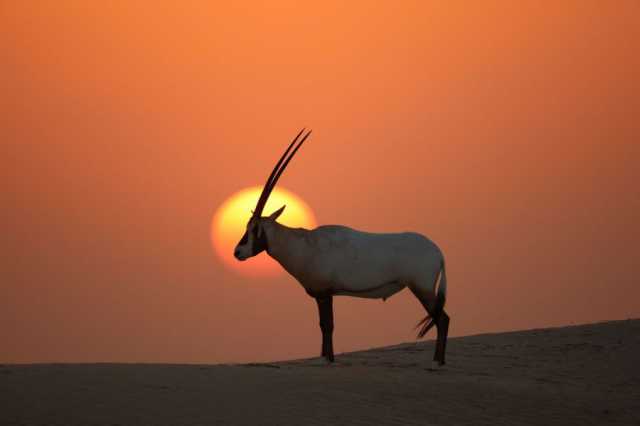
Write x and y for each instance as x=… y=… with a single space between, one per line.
x=254 y=239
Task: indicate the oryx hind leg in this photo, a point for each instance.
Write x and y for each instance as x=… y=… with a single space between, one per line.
x=424 y=289
x=428 y=301
x=436 y=316
x=442 y=324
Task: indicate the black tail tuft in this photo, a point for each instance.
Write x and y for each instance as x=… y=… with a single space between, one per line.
x=429 y=321
x=426 y=325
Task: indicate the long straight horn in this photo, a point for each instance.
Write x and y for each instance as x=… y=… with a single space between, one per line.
x=277 y=171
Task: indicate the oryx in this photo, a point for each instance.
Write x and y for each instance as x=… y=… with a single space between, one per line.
x=336 y=260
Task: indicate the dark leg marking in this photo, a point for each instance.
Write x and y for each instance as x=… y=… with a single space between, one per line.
x=436 y=316
x=442 y=325
x=325 y=309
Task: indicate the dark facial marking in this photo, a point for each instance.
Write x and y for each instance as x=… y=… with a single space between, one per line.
x=244 y=239
x=259 y=243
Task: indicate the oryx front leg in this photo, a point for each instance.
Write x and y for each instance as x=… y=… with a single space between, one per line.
x=325 y=309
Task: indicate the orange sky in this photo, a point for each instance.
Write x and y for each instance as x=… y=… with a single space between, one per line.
x=508 y=132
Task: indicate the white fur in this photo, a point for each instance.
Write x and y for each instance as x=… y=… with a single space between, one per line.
x=343 y=261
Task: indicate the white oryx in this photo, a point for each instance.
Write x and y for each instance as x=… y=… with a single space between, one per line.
x=336 y=260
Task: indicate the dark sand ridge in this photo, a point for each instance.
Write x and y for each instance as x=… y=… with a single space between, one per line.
x=588 y=374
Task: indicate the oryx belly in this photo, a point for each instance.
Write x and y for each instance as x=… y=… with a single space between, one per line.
x=383 y=291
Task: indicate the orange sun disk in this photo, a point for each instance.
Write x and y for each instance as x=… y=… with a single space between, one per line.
x=230 y=220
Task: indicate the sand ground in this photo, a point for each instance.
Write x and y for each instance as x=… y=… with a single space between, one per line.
x=579 y=375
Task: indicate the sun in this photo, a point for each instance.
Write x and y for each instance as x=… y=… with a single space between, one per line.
x=230 y=220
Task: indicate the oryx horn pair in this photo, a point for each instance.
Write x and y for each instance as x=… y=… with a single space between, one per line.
x=277 y=171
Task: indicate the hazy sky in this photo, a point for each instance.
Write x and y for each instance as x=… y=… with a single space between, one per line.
x=508 y=132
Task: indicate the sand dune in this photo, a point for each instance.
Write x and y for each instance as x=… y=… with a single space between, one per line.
x=587 y=374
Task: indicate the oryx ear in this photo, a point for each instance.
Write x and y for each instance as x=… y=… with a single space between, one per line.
x=274 y=215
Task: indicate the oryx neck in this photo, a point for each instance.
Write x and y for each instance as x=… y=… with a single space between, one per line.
x=286 y=245
x=278 y=236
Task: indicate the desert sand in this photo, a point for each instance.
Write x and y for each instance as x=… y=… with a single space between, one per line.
x=588 y=374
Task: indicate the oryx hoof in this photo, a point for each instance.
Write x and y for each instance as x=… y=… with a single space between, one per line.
x=436 y=365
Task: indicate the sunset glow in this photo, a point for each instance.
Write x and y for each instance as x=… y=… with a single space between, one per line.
x=506 y=132
x=230 y=220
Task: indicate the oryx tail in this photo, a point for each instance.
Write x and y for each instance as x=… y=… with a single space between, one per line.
x=441 y=297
